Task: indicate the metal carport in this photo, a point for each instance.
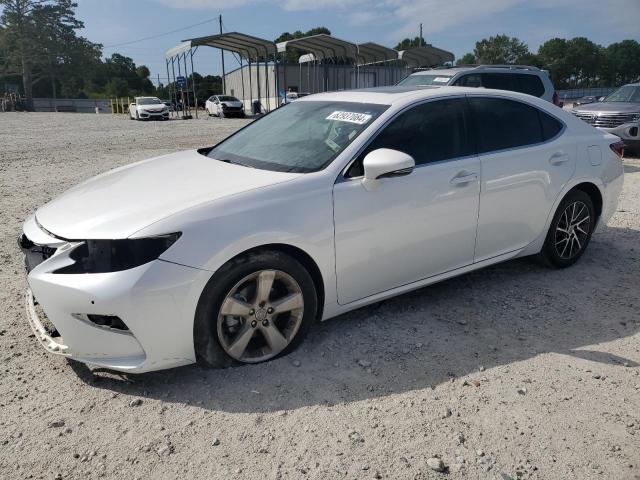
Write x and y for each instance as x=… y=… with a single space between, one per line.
x=246 y=47
x=323 y=47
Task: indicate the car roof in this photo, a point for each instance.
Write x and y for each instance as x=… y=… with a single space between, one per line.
x=404 y=94
x=526 y=69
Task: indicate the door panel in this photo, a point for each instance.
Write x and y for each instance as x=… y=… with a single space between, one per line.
x=522 y=178
x=409 y=228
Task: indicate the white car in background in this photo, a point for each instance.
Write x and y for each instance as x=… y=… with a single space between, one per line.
x=229 y=254
x=148 y=108
x=224 y=106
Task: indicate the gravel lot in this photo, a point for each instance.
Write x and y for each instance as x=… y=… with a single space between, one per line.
x=516 y=371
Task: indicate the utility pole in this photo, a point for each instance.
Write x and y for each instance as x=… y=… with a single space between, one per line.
x=421 y=39
x=224 y=83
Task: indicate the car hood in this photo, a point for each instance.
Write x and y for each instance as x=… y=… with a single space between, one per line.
x=613 y=107
x=120 y=202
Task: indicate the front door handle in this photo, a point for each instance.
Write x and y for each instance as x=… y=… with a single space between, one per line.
x=463 y=178
x=559 y=158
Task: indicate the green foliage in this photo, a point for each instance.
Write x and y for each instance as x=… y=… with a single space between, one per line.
x=40 y=48
x=573 y=63
x=408 y=43
x=500 y=49
x=466 y=59
x=293 y=54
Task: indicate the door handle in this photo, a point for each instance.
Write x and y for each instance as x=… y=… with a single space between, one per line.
x=463 y=178
x=559 y=158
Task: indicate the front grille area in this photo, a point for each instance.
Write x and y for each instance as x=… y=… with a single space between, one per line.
x=34 y=254
x=606 y=120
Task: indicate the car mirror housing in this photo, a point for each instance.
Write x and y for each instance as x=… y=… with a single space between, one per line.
x=385 y=163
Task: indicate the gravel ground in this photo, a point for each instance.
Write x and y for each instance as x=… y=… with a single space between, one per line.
x=516 y=371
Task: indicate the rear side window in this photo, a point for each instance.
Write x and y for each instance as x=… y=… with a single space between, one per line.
x=429 y=132
x=531 y=85
x=550 y=126
x=501 y=124
x=500 y=81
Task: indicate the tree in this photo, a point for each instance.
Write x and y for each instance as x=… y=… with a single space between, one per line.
x=466 y=59
x=409 y=43
x=500 y=49
x=575 y=63
x=622 y=62
x=293 y=54
x=38 y=33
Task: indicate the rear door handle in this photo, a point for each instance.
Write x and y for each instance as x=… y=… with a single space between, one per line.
x=463 y=178
x=559 y=158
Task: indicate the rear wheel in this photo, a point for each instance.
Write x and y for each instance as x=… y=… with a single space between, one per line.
x=570 y=231
x=256 y=308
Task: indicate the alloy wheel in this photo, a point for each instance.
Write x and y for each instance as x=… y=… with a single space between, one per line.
x=572 y=230
x=260 y=316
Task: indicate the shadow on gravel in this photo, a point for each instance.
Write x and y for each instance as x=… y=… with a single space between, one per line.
x=500 y=315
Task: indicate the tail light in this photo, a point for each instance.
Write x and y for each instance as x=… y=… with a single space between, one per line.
x=618 y=148
x=556 y=99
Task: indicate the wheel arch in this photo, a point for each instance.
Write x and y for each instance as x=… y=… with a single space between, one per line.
x=594 y=193
x=200 y=327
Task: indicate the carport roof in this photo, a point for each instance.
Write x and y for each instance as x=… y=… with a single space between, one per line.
x=374 y=53
x=427 y=56
x=247 y=46
x=322 y=46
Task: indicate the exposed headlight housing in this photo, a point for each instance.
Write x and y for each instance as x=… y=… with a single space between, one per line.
x=102 y=256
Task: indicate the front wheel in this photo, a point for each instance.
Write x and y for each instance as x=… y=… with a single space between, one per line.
x=255 y=308
x=570 y=230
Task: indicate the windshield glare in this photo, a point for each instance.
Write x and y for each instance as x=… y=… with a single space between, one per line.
x=425 y=80
x=149 y=101
x=299 y=137
x=628 y=93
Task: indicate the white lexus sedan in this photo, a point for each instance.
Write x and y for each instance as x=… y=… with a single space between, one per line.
x=148 y=108
x=229 y=254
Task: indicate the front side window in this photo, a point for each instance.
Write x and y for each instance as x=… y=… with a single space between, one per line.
x=472 y=80
x=430 y=132
x=300 y=137
x=501 y=124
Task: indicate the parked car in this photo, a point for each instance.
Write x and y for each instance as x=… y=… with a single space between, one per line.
x=224 y=106
x=292 y=97
x=618 y=113
x=148 y=108
x=228 y=254
x=585 y=100
x=514 y=78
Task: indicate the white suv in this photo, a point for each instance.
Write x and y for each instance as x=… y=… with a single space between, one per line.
x=515 y=78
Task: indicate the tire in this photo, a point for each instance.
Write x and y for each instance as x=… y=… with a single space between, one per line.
x=216 y=334
x=568 y=238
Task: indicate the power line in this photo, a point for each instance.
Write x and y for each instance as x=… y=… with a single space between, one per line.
x=160 y=34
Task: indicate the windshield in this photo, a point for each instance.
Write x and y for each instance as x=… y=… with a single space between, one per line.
x=299 y=137
x=628 y=93
x=227 y=98
x=425 y=80
x=149 y=101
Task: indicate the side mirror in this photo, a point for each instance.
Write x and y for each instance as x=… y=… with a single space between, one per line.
x=385 y=163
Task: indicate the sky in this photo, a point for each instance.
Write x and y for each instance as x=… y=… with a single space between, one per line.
x=454 y=25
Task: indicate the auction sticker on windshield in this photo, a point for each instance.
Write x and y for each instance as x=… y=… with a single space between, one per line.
x=351 y=117
x=441 y=79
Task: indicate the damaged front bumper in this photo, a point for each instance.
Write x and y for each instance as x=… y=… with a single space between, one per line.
x=135 y=320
